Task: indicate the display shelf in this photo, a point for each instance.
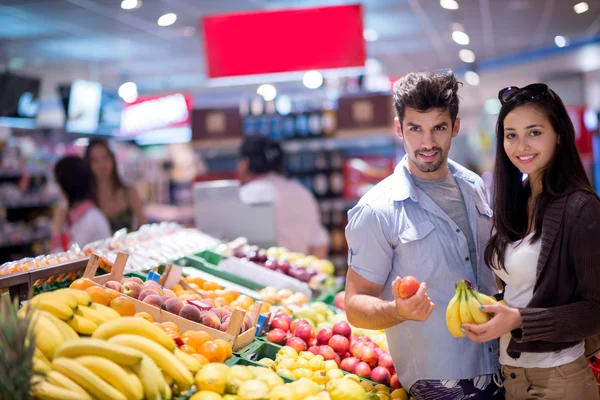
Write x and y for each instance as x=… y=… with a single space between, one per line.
x=22 y=206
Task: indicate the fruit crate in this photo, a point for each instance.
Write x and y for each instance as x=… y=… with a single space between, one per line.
x=210 y=256
x=202 y=265
x=260 y=349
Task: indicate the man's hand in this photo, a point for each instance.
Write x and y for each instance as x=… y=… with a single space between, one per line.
x=416 y=308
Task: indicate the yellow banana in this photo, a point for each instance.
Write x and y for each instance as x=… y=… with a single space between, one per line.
x=135 y=326
x=82 y=297
x=135 y=381
x=483 y=299
x=95 y=347
x=65 y=329
x=47 y=391
x=82 y=325
x=504 y=303
x=107 y=312
x=478 y=316
x=38 y=354
x=453 y=315
x=86 y=379
x=168 y=393
x=55 y=297
x=91 y=314
x=40 y=367
x=161 y=356
x=465 y=313
x=59 y=310
x=150 y=377
x=58 y=379
x=167 y=378
x=46 y=335
x=114 y=374
x=190 y=362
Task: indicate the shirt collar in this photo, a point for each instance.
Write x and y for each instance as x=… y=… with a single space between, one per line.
x=404 y=185
x=79 y=211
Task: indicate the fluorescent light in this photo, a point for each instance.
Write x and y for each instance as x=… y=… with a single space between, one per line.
x=580 y=8
x=461 y=38
x=472 y=78
x=466 y=55
x=449 y=4
x=128 y=92
x=167 y=19
x=370 y=35
x=561 y=41
x=267 y=91
x=131 y=4
x=81 y=142
x=312 y=79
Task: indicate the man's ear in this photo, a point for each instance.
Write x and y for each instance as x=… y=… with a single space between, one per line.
x=456 y=128
x=398 y=128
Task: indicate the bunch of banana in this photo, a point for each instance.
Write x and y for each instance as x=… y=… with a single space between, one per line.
x=464 y=308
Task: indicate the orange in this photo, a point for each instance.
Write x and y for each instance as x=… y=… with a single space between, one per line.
x=187 y=349
x=187 y=334
x=170 y=330
x=172 y=325
x=225 y=346
x=213 y=352
x=266 y=307
x=197 y=339
x=211 y=286
x=194 y=286
x=81 y=284
x=177 y=288
x=145 y=315
x=124 y=306
x=203 y=360
x=196 y=280
x=99 y=295
x=113 y=294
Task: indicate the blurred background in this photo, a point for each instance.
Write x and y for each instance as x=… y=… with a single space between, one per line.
x=176 y=84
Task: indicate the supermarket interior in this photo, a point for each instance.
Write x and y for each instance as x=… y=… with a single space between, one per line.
x=194 y=162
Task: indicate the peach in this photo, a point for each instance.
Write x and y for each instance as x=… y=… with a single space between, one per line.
x=173 y=306
x=156 y=289
x=210 y=319
x=154 y=300
x=169 y=293
x=190 y=312
x=225 y=325
x=151 y=283
x=114 y=285
x=134 y=279
x=145 y=293
x=132 y=289
x=247 y=322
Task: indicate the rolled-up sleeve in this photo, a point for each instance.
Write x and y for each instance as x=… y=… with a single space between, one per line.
x=370 y=251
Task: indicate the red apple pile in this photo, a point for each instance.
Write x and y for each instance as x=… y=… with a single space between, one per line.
x=356 y=355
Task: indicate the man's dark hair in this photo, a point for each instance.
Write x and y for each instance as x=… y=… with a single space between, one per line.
x=425 y=91
x=264 y=154
x=75 y=179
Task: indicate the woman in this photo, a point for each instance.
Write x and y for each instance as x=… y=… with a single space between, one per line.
x=121 y=204
x=545 y=250
x=84 y=222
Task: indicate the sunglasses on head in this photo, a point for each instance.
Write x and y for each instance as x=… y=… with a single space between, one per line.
x=535 y=91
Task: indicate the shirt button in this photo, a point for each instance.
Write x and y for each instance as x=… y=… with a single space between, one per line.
x=457 y=230
x=490 y=349
x=467 y=259
x=513 y=375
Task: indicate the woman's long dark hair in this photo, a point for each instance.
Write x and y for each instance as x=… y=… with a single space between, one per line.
x=564 y=174
x=116 y=181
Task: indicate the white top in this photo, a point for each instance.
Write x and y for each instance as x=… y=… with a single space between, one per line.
x=91 y=226
x=520 y=261
x=297 y=218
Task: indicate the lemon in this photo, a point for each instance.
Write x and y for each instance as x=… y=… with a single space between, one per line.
x=212 y=377
x=253 y=390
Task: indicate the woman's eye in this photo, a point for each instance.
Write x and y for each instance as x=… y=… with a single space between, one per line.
x=535 y=133
x=510 y=136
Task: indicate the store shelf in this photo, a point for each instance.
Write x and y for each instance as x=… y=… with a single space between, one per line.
x=26 y=206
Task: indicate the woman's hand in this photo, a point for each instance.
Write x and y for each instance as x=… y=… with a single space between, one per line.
x=505 y=319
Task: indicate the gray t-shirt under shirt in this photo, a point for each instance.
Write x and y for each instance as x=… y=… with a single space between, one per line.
x=446 y=194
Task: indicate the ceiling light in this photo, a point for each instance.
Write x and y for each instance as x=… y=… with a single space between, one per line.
x=461 y=38
x=449 y=4
x=472 y=78
x=466 y=55
x=561 y=41
x=312 y=79
x=167 y=19
x=580 y=8
x=370 y=35
x=267 y=91
x=492 y=106
x=128 y=92
x=131 y=4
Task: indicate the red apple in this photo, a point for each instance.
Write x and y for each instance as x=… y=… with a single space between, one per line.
x=349 y=364
x=339 y=344
x=369 y=355
x=380 y=375
x=356 y=349
x=313 y=342
x=363 y=370
x=283 y=316
x=385 y=361
x=314 y=350
x=280 y=323
x=326 y=352
x=394 y=382
x=296 y=323
x=337 y=358
x=347 y=355
x=296 y=343
x=276 y=336
x=305 y=332
x=323 y=336
x=342 y=328
x=408 y=287
x=379 y=351
x=338 y=300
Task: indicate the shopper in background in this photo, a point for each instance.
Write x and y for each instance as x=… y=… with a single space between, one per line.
x=297 y=218
x=430 y=220
x=121 y=204
x=85 y=223
x=545 y=249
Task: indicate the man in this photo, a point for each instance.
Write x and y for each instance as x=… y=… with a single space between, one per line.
x=297 y=218
x=431 y=220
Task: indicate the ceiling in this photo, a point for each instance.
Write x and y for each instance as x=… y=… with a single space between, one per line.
x=63 y=40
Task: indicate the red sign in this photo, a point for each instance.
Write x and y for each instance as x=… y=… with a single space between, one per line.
x=156 y=112
x=284 y=41
x=583 y=136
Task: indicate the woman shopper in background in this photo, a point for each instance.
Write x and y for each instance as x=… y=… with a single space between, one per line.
x=545 y=250
x=121 y=204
